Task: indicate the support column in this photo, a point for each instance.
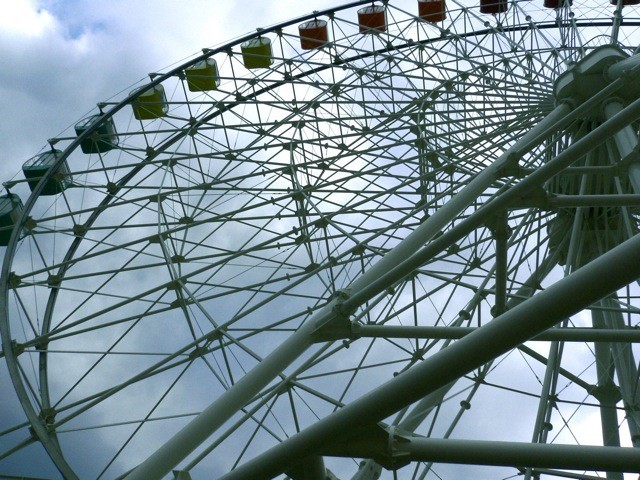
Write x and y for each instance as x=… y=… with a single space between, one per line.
x=215 y=415
x=627 y=143
x=570 y=457
x=499 y=227
x=626 y=370
x=606 y=391
x=624 y=361
x=567 y=297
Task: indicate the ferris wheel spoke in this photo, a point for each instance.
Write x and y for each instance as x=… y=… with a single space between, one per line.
x=17 y=447
x=213 y=237
x=142 y=422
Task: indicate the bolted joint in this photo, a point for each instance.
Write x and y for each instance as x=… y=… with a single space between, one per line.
x=397 y=458
x=496 y=312
x=338 y=326
x=537 y=197
x=14 y=280
x=511 y=166
x=54 y=281
x=16 y=348
x=48 y=418
x=79 y=230
x=198 y=352
x=607 y=393
x=499 y=226
x=479 y=377
x=30 y=224
x=181 y=302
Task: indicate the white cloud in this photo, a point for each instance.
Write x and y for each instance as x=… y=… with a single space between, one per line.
x=61 y=57
x=23 y=18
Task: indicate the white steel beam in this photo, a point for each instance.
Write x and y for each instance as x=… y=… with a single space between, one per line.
x=224 y=407
x=573 y=334
x=401 y=449
x=571 y=457
x=567 y=297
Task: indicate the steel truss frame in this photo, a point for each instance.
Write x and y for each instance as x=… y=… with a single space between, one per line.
x=494 y=193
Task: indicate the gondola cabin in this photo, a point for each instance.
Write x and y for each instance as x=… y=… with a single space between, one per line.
x=103 y=139
x=493 y=6
x=150 y=104
x=10 y=211
x=257 y=53
x=555 y=4
x=203 y=76
x=37 y=167
x=433 y=11
x=372 y=19
x=313 y=34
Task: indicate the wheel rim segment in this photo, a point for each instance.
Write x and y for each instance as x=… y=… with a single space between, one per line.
x=178 y=261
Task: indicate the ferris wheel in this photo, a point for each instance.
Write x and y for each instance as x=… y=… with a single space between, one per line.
x=387 y=240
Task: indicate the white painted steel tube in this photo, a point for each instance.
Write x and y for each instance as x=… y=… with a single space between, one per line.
x=626 y=141
x=573 y=334
x=571 y=457
x=618 y=69
x=567 y=297
x=230 y=402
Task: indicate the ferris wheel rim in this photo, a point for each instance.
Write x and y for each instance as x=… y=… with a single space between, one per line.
x=110 y=113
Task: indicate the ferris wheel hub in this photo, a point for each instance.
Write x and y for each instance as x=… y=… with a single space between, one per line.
x=593 y=73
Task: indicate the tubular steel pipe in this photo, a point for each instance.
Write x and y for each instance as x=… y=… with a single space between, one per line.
x=400 y=449
x=223 y=408
x=501 y=238
x=574 y=334
x=627 y=142
x=619 y=69
x=567 y=297
x=475 y=220
x=540 y=455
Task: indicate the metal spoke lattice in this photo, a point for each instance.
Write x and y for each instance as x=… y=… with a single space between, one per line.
x=406 y=251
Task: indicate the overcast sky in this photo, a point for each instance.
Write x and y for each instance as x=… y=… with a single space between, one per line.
x=61 y=57
x=58 y=58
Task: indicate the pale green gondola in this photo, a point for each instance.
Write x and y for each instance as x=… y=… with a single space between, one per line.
x=35 y=169
x=10 y=211
x=203 y=76
x=257 y=53
x=103 y=139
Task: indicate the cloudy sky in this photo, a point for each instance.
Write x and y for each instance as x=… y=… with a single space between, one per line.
x=61 y=57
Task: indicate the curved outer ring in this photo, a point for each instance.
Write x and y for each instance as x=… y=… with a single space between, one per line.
x=47 y=437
